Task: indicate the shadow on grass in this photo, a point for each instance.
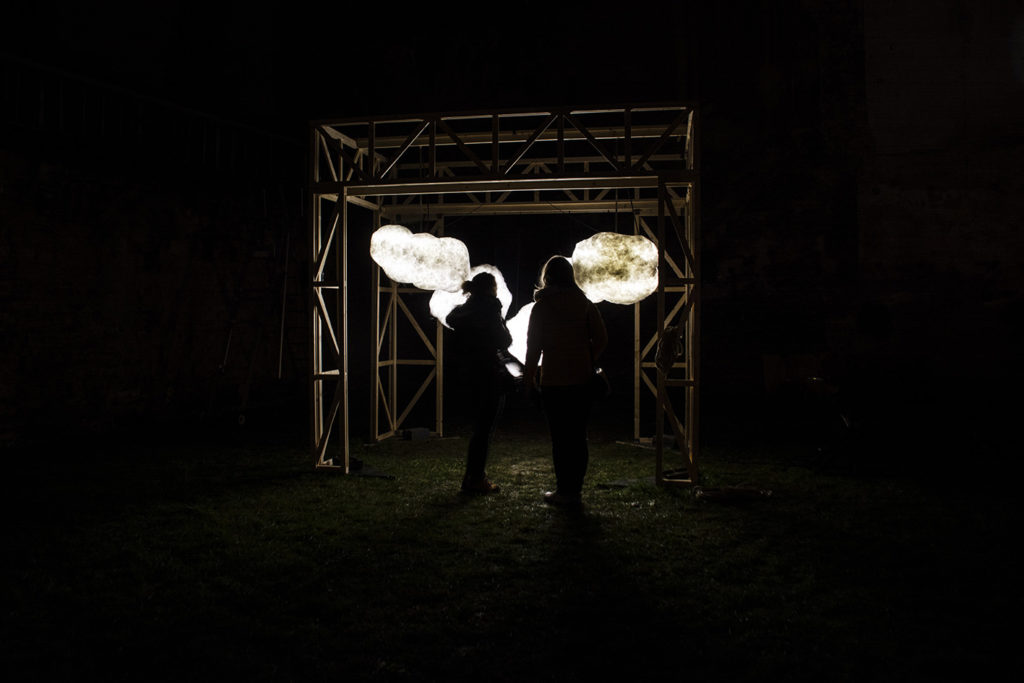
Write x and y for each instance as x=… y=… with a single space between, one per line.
x=227 y=557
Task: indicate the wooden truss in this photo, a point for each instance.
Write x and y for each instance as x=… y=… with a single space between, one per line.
x=537 y=161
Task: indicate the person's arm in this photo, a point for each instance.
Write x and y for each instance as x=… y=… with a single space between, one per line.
x=598 y=333
x=499 y=331
x=532 y=349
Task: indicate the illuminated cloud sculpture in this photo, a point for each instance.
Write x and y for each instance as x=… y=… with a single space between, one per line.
x=442 y=302
x=517 y=326
x=426 y=261
x=622 y=269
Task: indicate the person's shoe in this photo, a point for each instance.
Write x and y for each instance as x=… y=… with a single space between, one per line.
x=480 y=486
x=557 y=498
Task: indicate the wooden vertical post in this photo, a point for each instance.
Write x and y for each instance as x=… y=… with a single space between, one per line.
x=392 y=396
x=316 y=346
x=659 y=432
x=375 y=350
x=637 y=368
x=439 y=360
x=341 y=255
x=693 y=228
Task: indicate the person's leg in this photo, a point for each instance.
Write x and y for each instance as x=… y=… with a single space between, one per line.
x=487 y=406
x=576 y=453
x=558 y=408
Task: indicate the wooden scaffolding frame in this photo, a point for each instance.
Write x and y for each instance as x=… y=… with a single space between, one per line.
x=535 y=161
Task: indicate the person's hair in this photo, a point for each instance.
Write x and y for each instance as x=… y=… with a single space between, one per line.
x=557 y=272
x=482 y=283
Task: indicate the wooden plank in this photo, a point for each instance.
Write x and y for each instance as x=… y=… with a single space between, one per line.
x=332 y=415
x=462 y=146
x=594 y=143
x=321 y=259
x=484 y=136
x=464 y=185
x=325 y=318
x=412 y=168
x=416 y=326
x=383 y=329
x=405 y=147
x=661 y=140
x=523 y=208
x=327 y=156
x=674 y=422
x=336 y=134
x=387 y=410
x=354 y=166
x=683 y=242
x=671 y=262
x=352 y=161
x=416 y=397
x=363 y=203
x=529 y=143
x=693 y=345
x=667 y=320
x=649 y=383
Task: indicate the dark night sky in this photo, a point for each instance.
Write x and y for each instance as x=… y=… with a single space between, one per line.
x=279 y=64
x=846 y=144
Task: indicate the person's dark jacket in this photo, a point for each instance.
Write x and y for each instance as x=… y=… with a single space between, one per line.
x=479 y=334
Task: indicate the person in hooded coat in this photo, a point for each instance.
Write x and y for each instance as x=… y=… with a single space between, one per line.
x=568 y=329
x=480 y=336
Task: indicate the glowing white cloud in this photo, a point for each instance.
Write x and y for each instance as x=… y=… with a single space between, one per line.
x=426 y=261
x=622 y=269
x=517 y=327
x=442 y=302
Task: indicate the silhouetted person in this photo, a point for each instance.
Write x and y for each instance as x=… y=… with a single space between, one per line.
x=567 y=328
x=479 y=336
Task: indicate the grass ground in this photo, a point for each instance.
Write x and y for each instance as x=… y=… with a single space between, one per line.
x=228 y=557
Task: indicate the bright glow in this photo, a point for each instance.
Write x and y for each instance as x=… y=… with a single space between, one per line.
x=622 y=269
x=517 y=327
x=426 y=261
x=442 y=302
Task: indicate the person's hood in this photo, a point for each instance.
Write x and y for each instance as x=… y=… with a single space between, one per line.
x=558 y=294
x=473 y=307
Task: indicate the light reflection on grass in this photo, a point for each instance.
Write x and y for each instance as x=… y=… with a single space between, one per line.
x=209 y=560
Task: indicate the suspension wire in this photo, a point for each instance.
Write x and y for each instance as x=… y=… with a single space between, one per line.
x=615 y=224
x=636 y=218
x=615 y=215
x=480 y=206
x=570 y=215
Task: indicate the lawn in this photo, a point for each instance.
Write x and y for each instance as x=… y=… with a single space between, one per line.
x=227 y=556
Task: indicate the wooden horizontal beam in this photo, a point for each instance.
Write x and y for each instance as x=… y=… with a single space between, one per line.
x=546 y=161
x=524 y=183
x=510 y=113
x=519 y=135
x=643 y=207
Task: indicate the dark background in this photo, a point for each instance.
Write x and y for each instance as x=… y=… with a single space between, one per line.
x=861 y=198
